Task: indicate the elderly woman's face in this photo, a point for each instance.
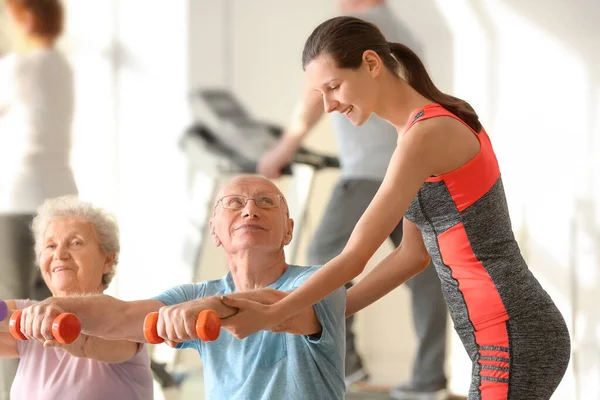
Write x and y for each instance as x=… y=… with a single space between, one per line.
x=71 y=260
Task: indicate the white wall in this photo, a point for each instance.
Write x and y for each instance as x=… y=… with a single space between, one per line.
x=131 y=109
x=547 y=129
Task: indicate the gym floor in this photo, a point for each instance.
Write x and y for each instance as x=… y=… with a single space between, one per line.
x=193 y=389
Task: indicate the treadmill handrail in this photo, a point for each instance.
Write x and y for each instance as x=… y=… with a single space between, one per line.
x=215 y=145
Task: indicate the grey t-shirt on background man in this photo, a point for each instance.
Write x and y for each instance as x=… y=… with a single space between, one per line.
x=365 y=151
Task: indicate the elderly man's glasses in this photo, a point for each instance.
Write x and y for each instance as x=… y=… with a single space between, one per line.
x=262 y=200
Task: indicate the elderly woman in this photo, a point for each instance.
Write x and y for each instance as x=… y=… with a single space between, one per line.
x=77 y=249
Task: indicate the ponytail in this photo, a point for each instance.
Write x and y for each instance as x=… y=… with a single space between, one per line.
x=417 y=77
x=345 y=39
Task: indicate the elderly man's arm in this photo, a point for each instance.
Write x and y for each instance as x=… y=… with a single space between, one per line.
x=177 y=322
x=101 y=315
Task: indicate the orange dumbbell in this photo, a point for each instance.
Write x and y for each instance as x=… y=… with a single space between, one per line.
x=208 y=327
x=65 y=328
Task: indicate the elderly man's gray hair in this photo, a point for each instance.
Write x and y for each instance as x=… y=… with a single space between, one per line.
x=104 y=223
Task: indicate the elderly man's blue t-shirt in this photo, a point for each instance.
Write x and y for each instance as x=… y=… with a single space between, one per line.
x=267 y=365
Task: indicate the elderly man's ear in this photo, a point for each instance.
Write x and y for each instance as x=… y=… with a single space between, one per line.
x=217 y=242
x=287 y=238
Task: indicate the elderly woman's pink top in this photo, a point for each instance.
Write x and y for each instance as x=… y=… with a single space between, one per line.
x=52 y=373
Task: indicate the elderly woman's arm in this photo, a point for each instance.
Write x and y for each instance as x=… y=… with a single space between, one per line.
x=8 y=344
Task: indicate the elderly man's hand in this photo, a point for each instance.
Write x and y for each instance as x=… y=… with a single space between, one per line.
x=177 y=323
x=37 y=319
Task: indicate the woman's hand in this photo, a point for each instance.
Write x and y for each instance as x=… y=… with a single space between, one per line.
x=251 y=317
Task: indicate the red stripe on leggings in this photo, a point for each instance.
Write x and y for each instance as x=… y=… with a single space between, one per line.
x=493 y=390
x=493 y=336
x=494 y=353
x=482 y=299
x=494 y=363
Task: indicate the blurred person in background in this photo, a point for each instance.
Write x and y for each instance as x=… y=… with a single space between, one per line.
x=365 y=152
x=36 y=114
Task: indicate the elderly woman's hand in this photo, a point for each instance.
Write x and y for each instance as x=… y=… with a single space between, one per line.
x=37 y=319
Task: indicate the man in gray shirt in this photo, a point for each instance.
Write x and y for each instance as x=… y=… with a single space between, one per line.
x=365 y=152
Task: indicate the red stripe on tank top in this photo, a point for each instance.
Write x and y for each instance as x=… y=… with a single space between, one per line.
x=470 y=182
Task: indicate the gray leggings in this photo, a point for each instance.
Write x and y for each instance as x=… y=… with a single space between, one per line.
x=530 y=367
x=348 y=202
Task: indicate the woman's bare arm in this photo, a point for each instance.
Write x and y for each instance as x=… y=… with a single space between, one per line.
x=431 y=147
x=409 y=259
x=304 y=322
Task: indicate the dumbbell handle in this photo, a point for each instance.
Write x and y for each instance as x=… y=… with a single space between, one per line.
x=65 y=328
x=208 y=327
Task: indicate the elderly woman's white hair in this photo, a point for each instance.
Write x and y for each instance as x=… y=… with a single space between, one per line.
x=104 y=223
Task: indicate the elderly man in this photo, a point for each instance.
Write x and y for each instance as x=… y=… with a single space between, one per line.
x=251 y=222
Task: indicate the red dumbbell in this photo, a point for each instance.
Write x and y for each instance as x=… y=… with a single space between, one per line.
x=65 y=328
x=208 y=327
